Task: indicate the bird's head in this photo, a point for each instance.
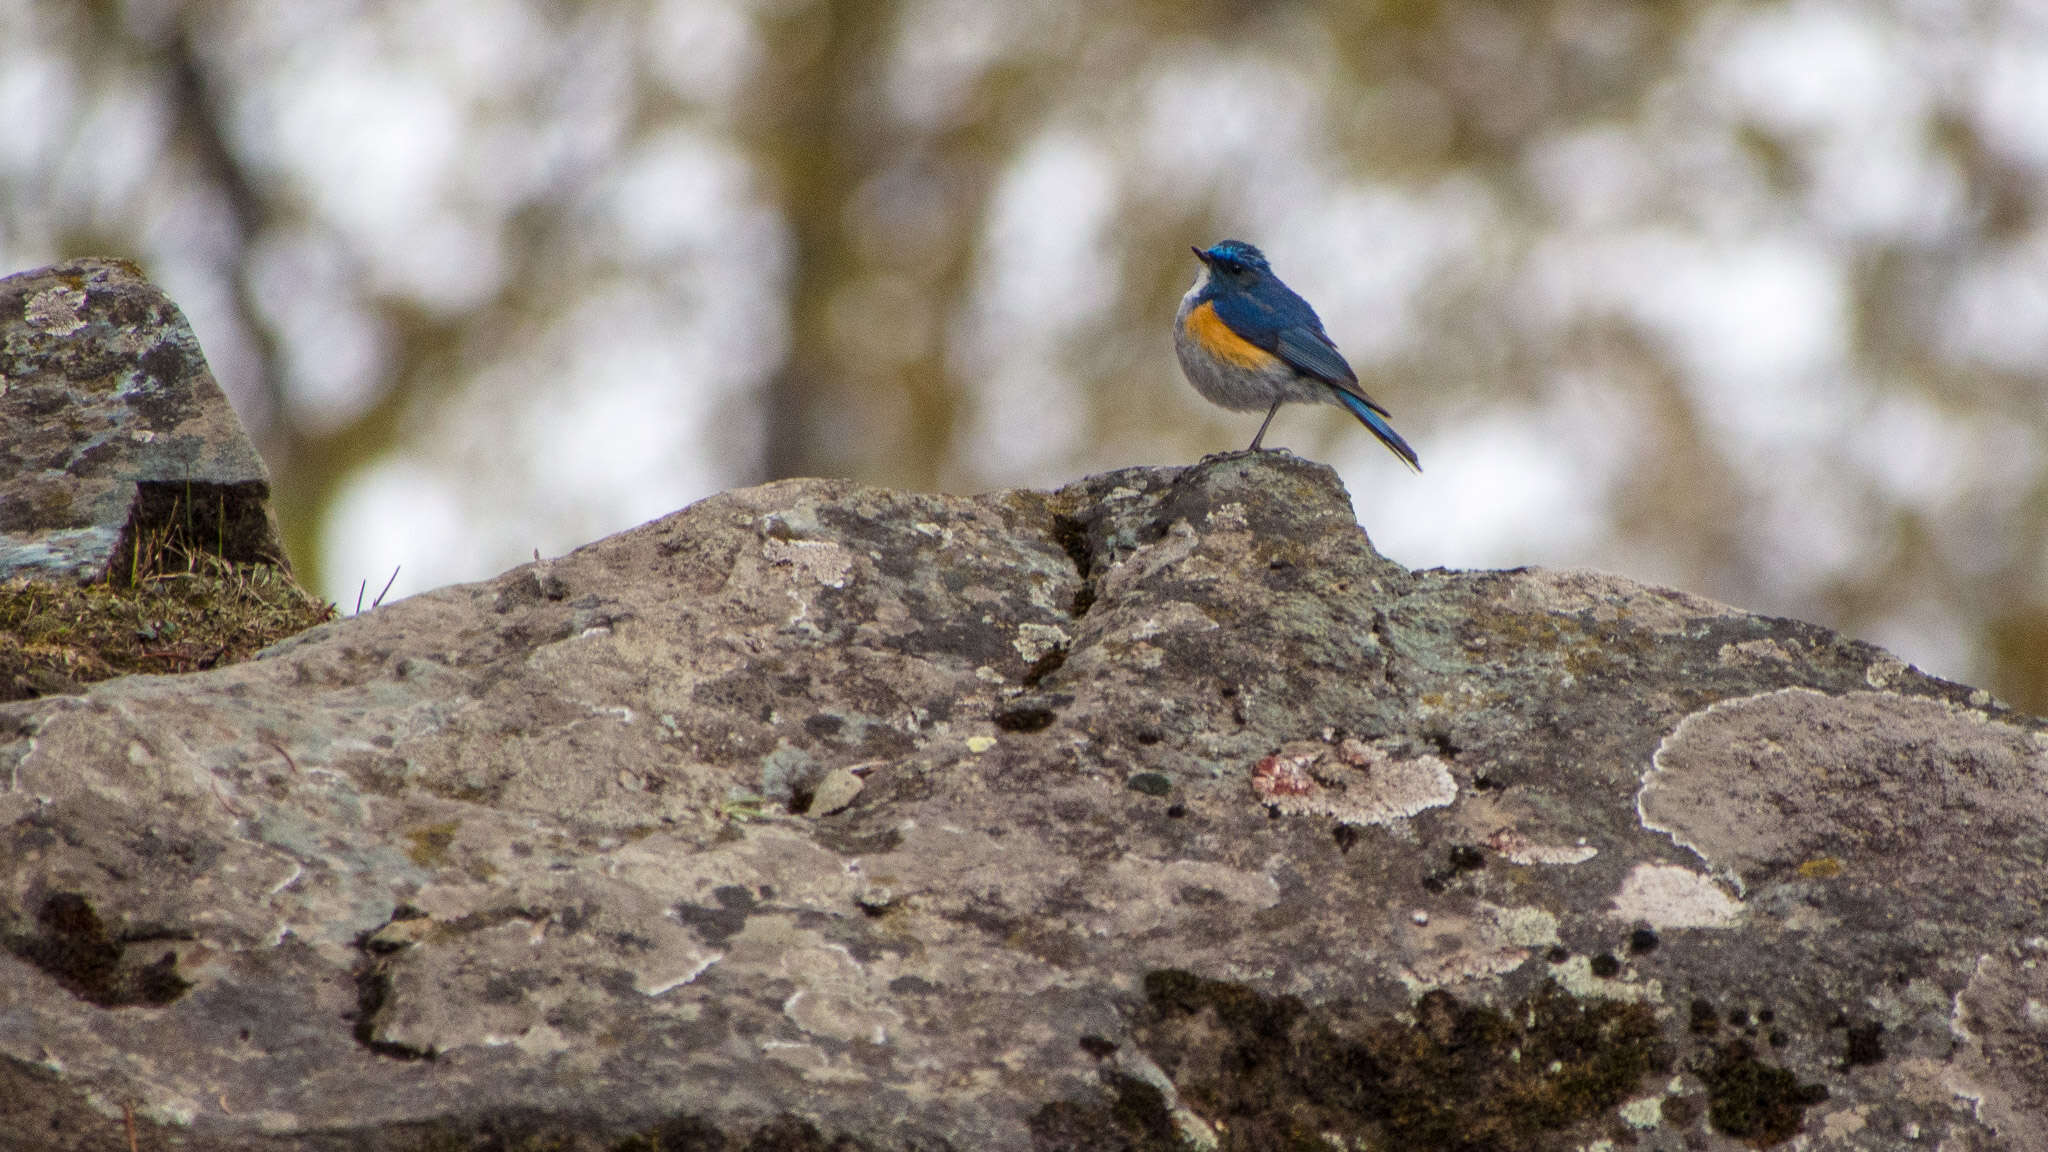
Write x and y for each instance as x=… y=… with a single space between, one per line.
x=1234 y=263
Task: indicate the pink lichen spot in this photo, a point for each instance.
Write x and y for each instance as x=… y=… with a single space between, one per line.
x=1352 y=782
x=1278 y=776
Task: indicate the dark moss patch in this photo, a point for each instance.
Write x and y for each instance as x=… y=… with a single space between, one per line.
x=1149 y=783
x=429 y=843
x=1703 y=1020
x=1280 y=1074
x=1865 y=1044
x=719 y=924
x=72 y=945
x=539 y=1132
x=1132 y=1118
x=1761 y=1104
x=781 y=1134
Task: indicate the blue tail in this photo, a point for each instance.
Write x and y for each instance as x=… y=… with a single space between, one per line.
x=1370 y=415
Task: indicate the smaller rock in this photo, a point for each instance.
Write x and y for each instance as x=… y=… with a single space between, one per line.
x=114 y=435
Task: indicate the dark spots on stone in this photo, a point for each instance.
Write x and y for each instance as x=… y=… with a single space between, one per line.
x=1865 y=1045
x=1176 y=811
x=1777 y=1038
x=912 y=986
x=1071 y=535
x=744 y=692
x=976 y=643
x=1485 y=783
x=1466 y=858
x=1681 y=1112
x=1642 y=941
x=1558 y=954
x=90 y=461
x=159 y=982
x=170 y=517
x=1434 y=885
x=163 y=364
x=784 y=1133
x=1149 y=735
x=717 y=924
x=503 y=989
x=1702 y=1019
x=373 y=991
x=1149 y=783
x=1760 y=1103
x=73 y=946
x=674 y=1133
x=1444 y=745
x=1605 y=966
x=1131 y=1117
x=1275 y=1072
x=852 y=840
x=1738 y=1017
x=823 y=726
x=1273 y=813
x=1099 y=1047
x=619 y=982
x=1346 y=836
x=1045 y=666
x=1031 y=713
x=1766 y=1016
x=571 y=917
x=801 y=793
x=186 y=852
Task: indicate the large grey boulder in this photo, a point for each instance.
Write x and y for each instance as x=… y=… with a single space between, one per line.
x=113 y=429
x=1159 y=811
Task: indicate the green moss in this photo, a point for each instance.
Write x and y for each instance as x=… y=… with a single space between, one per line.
x=430 y=843
x=181 y=612
x=1280 y=1074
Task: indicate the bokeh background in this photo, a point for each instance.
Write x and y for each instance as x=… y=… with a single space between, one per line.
x=1749 y=298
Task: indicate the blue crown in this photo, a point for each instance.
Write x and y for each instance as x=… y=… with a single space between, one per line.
x=1239 y=252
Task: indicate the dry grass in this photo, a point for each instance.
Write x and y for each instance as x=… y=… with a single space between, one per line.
x=178 y=610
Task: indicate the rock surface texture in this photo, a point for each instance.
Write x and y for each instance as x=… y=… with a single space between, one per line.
x=1156 y=812
x=111 y=425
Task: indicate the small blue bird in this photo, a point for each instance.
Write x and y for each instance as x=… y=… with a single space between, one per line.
x=1247 y=341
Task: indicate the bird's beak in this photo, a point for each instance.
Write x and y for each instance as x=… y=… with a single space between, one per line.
x=1199 y=254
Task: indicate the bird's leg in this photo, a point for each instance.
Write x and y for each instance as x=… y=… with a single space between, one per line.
x=1270 y=413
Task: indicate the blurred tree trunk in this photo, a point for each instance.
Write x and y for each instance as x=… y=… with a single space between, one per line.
x=865 y=389
x=818 y=61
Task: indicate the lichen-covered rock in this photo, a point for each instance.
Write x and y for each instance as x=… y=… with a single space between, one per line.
x=1156 y=812
x=112 y=428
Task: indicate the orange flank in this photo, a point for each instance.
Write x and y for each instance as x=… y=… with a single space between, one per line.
x=1215 y=337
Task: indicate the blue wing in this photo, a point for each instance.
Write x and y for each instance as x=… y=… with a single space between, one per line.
x=1274 y=318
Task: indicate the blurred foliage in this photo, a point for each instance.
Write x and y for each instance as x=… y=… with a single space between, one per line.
x=935 y=243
